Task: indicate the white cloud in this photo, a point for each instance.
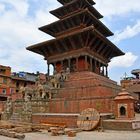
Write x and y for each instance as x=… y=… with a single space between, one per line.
x=43 y=18
x=110 y=8
x=18 y=28
x=2 y=7
x=126 y=60
x=128 y=32
x=20 y=7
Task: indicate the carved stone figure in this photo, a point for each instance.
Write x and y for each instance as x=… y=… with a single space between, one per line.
x=27 y=105
x=27 y=91
x=8 y=105
x=55 y=80
x=8 y=109
x=26 y=114
x=45 y=90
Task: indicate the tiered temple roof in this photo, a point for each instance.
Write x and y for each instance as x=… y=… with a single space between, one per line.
x=68 y=1
x=80 y=20
x=78 y=32
x=103 y=48
x=73 y=7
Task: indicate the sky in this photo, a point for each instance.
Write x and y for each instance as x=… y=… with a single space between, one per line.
x=20 y=19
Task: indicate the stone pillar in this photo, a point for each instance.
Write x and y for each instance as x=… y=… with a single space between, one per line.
x=86 y=66
x=48 y=69
x=69 y=65
x=103 y=70
x=54 y=65
x=55 y=69
x=106 y=72
x=95 y=66
x=99 y=68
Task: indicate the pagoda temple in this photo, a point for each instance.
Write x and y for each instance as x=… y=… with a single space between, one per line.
x=80 y=39
x=81 y=45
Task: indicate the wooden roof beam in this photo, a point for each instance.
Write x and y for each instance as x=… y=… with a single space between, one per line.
x=75 y=4
x=89 y=17
x=92 y=41
x=87 y=40
x=63 y=45
x=104 y=50
x=108 y=53
x=95 y=44
x=72 y=43
x=101 y=47
x=81 y=40
x=57 y=47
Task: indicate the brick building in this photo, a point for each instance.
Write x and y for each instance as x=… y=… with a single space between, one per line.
x=5 y=81
x=132 y=84
x=10 y=83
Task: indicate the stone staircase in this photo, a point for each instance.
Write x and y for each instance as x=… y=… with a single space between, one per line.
x=87 y=79
x=86 y=84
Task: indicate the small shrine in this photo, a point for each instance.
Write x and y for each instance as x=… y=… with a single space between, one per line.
x=124 y=106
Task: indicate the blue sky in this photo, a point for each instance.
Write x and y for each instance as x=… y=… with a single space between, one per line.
x=20 y=19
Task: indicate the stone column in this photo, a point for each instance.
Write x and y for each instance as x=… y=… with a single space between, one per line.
x=86 y=66
x=54 y=65
x=99 y=68
x=106 y=71
x=95 y=66
x=69 y=65
x=48 y=69
x=103 y=70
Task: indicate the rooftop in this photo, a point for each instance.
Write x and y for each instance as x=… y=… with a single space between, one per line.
x=72 y=7
x=50 y=47
x=68 y=1
x=84 y=17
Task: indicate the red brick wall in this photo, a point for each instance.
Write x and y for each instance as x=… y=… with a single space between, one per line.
x=69 y=121
x=7 y=90
x=81 y=64
x=86 y=92
x=76 y=106
x=16 y=96
x=130 y=109
x=58 y=67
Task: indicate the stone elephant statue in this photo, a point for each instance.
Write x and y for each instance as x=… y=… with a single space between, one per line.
x=55 y=80
x=44 y=91
x=27 y=91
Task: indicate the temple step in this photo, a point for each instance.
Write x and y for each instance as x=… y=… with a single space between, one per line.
x=67 y=119
x=81 y=78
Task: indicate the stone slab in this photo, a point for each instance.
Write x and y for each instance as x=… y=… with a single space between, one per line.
x=121 y=124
